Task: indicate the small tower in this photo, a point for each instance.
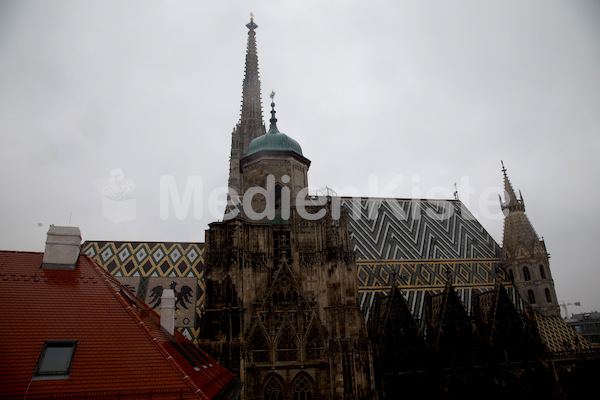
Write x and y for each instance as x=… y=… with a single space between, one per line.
x=524 y=255
x=275 y=169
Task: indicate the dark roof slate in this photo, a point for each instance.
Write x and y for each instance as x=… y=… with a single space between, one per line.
x=409 y=229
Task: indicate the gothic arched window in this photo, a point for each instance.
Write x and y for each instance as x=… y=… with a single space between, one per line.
x=511 y=276
x=277 y=202
x=302 y=389
x=314 y=344
x=287 y=348
x=284 y=293
x=278 y=196
x=531 y=296
x=259 y=348
x=526 y=274
x=542 y=272
x=548 y=295
x=273 y=389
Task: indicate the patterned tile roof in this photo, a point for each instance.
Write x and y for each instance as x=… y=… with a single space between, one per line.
x=559 y=338
x=408 y=229
x=485 y=303
x=144 y=266
x=121 y=350
x=412 y=241
x=147 y=258
x=415 y=242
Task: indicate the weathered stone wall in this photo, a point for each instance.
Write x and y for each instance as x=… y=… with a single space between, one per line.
x=282 y=302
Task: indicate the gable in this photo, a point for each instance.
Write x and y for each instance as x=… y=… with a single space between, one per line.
x=449 y=327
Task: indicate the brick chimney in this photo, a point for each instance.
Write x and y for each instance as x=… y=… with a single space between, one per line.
x=167 y=311
x=63 y=245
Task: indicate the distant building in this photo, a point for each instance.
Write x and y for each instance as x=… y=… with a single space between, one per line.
x=587 y=325
x=70 y=330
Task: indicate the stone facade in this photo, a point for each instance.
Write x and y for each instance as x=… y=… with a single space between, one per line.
x=282 y=307
x=282 y=176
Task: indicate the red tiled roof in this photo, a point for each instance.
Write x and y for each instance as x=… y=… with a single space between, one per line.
x=121 y=349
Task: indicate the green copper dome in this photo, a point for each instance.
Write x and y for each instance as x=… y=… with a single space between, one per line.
x=274 y=140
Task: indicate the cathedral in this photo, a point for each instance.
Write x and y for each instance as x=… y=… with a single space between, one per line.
x=326 y=297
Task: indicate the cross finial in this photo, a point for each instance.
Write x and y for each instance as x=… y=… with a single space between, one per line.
x=251 y=25
x=273 y=120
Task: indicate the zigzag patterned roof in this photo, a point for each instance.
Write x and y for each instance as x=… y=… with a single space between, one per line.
x=392 y=229
x=413 y=241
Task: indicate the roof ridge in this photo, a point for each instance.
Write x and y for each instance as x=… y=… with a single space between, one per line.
x=136 y=241
x=382 y=198
x=21 y=252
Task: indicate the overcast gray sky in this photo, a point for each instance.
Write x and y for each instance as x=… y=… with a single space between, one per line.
x=387 y=98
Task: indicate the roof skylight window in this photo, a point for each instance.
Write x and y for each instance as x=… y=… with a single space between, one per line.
x=56 y=359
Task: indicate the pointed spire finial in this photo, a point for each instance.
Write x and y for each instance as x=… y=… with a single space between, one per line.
x=251 y=103
x=511 y=202
x=273 y=120
x=250 y=124
x=251 y=25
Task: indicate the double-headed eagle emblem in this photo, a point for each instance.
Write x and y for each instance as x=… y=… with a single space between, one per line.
x=183 y=297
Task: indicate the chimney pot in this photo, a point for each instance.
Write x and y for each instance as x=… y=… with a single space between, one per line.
x=167 y=311
x=63 y=245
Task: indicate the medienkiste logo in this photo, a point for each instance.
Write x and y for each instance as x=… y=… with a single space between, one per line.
x=184 y=198
x=118 y=204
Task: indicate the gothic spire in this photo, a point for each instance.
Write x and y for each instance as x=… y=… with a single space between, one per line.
x=517 y=228
x=511 y=203
x=250 y=125
x=251 y=101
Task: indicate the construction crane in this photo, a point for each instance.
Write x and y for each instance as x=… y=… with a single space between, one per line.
x=564 y=306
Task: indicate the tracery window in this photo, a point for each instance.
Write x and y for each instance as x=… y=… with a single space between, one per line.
x=273 y=389
x=287 y=348
x=259 y=348
x=531 y=296
x=277 y=196
x=542 y=272
x=314 y=344
x=526 y=274
x=548 y=295
x=284 y=294
x=302 y=389
x=278 y=218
